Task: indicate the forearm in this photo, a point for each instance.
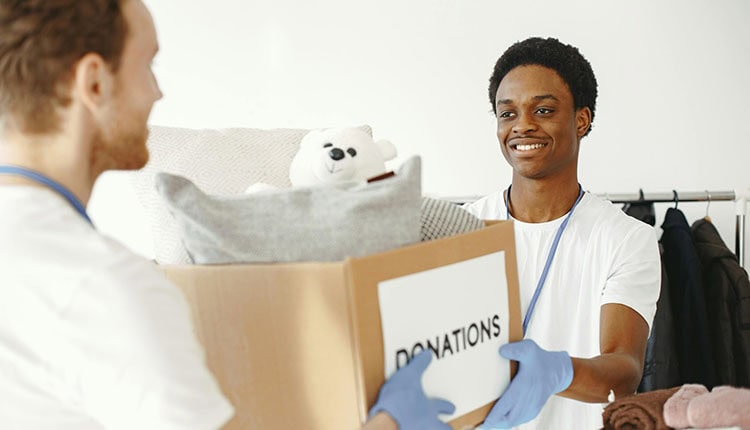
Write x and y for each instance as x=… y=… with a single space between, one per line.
x=381 y=421
x=593 y=378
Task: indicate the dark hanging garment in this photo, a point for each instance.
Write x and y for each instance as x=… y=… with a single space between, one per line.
x=688 y=301
x=642 y=211
x=661 y=367
x=727 y=290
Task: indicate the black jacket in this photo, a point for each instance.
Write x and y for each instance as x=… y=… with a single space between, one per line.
x=688 y=301
x=661 y=368
x=727 y=290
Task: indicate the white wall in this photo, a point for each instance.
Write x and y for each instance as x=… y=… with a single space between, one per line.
x=673 y=84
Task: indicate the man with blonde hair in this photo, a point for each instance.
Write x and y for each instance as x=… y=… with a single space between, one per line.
x=91 y=335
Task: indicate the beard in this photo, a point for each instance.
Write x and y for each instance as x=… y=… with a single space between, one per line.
x=120 y=147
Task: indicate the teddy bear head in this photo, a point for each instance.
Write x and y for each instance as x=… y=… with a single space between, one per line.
x=339 y=154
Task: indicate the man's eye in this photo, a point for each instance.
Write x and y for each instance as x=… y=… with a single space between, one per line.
x=544 y=111
x=505 y=114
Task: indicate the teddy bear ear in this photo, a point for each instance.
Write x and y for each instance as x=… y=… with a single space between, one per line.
x=387 y=149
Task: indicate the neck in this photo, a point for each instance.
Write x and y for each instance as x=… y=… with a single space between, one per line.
x=59 y=157
x=536 y=201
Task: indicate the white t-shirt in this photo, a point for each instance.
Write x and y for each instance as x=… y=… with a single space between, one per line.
x=91 y=335
x=604 y=256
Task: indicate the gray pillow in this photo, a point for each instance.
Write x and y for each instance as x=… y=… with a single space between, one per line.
x=219 y=161
x=442 y=218
x=321 y=223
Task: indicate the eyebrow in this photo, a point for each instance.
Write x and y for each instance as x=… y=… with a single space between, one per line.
x=537 y=98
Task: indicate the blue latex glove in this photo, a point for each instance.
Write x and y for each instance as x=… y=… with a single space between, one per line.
x=541 y=374
x=403 y=399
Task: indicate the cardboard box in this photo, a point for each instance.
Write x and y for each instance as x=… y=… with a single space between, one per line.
x=300 y=345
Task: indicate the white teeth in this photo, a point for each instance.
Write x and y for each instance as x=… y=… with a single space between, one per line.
x=529 y=147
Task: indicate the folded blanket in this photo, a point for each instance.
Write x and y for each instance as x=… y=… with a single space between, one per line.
x=441 y=218
x=676 y=407
x=722 y=407
x=638 y=412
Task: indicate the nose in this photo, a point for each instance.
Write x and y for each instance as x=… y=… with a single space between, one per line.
x=336 y=154
x=524 y=123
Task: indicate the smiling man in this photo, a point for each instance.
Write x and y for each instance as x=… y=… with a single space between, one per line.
x=589 y=274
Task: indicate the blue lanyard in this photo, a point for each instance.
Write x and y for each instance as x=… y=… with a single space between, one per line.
x=52 y=184
x=550 y=256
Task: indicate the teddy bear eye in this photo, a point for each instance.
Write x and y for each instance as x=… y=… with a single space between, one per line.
x=328 y=145
x=352 y=152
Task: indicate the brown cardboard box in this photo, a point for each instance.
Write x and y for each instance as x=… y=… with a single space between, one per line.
x=300 y=345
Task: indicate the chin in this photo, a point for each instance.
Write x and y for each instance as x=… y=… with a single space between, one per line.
x=133 y=157
x=133 y=163
x=120 y=153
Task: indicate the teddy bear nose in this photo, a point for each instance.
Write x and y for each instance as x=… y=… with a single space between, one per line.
x=336 y=154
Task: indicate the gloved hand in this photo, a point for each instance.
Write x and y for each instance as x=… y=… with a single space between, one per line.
x=541 y=374
x=403 y=399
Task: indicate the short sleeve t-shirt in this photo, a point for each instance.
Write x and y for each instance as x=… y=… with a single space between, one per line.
x=604 y=256
x=91 y=335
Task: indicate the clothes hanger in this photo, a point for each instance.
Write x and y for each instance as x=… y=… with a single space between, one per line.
x=676 y=198
x=708 y=205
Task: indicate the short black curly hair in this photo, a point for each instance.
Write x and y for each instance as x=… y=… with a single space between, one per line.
x=564 y=59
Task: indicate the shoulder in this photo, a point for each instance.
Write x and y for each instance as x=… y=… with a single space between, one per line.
x=106 y=265
x=612 y=236
x=132 y=285
x=82 y=273
x=50 y=251
x=491 y=206
x=605 y=220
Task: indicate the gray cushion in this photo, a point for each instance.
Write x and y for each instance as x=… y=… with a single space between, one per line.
x=320 y=223
x=441 y=218
x=219 y=161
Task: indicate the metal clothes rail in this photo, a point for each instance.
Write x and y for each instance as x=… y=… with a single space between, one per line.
x=740 y=197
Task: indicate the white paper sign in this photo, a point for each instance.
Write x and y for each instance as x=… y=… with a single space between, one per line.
x=460 y=311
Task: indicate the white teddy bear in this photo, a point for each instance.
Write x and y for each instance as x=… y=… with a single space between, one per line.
x=339 y=154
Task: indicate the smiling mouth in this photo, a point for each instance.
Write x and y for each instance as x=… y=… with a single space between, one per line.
x=527 y=147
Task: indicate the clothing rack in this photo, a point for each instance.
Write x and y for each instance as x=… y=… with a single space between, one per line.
x=740 y=197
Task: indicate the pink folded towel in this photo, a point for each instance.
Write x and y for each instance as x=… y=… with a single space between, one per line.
x=722 y=407
x=676 y=407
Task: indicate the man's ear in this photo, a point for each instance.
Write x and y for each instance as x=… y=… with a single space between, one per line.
x=583 y=121
x=93 y=81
